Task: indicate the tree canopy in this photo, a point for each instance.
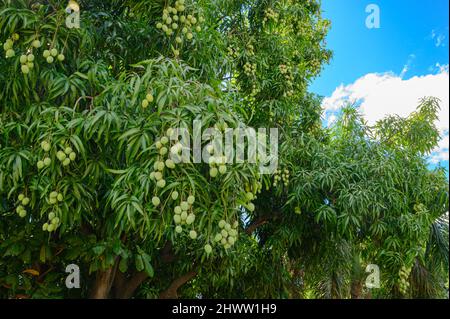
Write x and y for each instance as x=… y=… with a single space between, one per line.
x=86 y=178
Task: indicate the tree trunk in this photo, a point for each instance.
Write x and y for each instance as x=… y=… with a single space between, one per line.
x=104 y=281
x=172 y=291
x=356 y=289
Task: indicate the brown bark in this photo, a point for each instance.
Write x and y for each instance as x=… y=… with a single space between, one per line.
x=104 y=281
x=127 y=288
x=172 y=291
x=356 y=289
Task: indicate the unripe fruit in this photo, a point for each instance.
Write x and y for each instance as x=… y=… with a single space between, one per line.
x=190 y=219
x=160 y=166
x=23 y=59
x=178 y=229
x=19 y=209
x=164 y=140
x=149 y=97
x=198 y=29
x=21 y=197
x=222 y=169
x=60 y=197
x=227 y=246
x=8 y=45
x=191 y=200
x=66 y=162
x=223 y=241
x=36 y=44
x=161 y=183
x=55 y=221
x=235 y=224
x=222 y=223
x=175 y=195
x=10 y=53
x=213 y=172
x=54 y=52
x=50 y=228
x=51 y=215
x=183 y=215
x=218 y=237
x=159 y=25
x=184 y=30
x=25 y=69
x=177 y=219
x=30 y=58
x=224 y=233
x=178 y=210
x=184 y=206
x=46 y=54
x=170 y=163
x=163 y=151
x=178 y=40
x=208 y=248
x=52 y=201
x=72 y=156
x=189 y=36
x=158 y=176
x=53 y=194
x=144 y=104
x=45 y=146
x=174 y=26
x=25 y=201
x=193 y=234
x=61 y=57
x=156 y=201
x=249 y=196
x=50 y=59
x=251 y=207
x=44 y=227
x=22 y=214
x=68 y=150
x=15 y=37
x=232 y=232
x=40 y=164
x=231 y=241
x=227 y=227
x=158 y=144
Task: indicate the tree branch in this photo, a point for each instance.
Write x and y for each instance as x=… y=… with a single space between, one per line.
x=172 y=291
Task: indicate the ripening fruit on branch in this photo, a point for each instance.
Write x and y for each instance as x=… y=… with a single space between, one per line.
x=156 y=201
x=208 y=248
x=36 y=44
x=193 y=234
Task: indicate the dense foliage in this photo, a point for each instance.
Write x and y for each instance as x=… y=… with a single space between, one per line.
x=85 y=175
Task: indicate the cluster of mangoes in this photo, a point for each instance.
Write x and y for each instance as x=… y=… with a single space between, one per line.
x=52 y=224
x=46 y=161
x=66 y=156
x=175 y=22
x=404 y=282
x=8 y=45
x=228 y=234
x=281 y=176
x=249 y=68
x=23 y=202
x=270 y=14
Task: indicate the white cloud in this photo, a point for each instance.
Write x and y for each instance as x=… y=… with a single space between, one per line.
x=439 y=39
x=380 y=95
x=440 y=153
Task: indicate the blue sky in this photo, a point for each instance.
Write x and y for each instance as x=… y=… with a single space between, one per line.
x=406 y=57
